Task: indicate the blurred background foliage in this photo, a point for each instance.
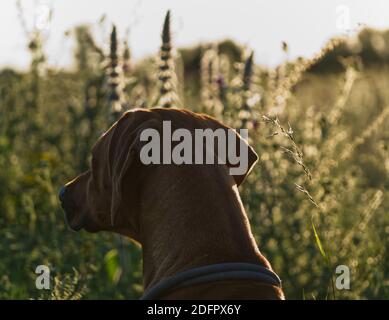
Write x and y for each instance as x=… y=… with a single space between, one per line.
x=320 y=126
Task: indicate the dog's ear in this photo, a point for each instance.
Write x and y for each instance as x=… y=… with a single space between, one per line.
x=124 y=162
x=240 y=147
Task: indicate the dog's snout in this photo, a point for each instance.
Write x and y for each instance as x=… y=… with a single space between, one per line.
x=61 y=194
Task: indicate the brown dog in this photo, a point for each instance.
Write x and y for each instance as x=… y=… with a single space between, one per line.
x=184 y=216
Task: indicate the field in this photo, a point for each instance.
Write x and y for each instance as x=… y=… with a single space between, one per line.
x=317 y=199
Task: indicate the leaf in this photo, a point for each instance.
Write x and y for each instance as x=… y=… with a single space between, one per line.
x=112 y=265
x=318 y=242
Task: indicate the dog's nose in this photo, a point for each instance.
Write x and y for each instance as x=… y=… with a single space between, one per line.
x=61 y=194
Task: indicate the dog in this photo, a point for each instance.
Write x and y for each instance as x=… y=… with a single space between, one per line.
x=184 y=216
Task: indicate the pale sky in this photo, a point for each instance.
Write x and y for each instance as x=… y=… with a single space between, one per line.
x=260 y=24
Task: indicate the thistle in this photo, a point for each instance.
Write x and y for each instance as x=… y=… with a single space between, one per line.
x=166 y=75
x=211 y=82
x=126 y=59
x=245 y=113
x=248 y=72
x=113 y=80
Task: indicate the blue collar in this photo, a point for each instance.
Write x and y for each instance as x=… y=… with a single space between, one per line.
x=213 y=272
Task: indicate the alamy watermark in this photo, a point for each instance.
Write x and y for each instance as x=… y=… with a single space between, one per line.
x=343 y=279
x=343 y=17
x=203 y=140
x=42 y=280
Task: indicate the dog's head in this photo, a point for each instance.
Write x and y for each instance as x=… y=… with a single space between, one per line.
x=106 y=197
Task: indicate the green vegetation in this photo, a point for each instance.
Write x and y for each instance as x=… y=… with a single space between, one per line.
x=317 y=199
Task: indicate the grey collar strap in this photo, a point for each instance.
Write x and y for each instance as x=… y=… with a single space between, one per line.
x=211 y=273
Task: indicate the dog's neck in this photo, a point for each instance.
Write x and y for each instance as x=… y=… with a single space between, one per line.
x=199 y=220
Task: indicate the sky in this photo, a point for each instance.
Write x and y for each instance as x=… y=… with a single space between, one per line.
x=262 y=25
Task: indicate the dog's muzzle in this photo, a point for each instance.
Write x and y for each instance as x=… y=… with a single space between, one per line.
x=68 y=208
